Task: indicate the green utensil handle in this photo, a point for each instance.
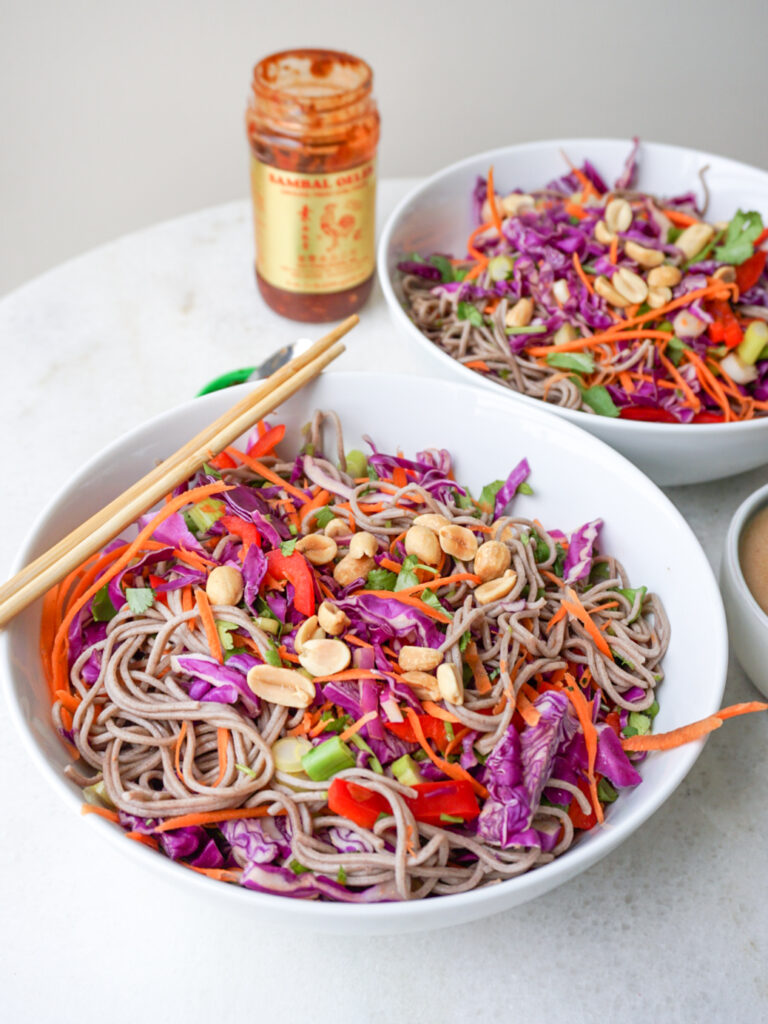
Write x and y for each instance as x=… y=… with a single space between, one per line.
x=226 y=380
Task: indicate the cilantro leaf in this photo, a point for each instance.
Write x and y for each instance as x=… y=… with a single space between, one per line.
x=468 y=311
x=324 y=516
x=742 y=231
x=288 y=546
x=600 y=401
x=487 y=499
x=429 y=598
x=139 y=599
x=524 y=488
x=272 y=657
x=444 y=265
x=102 y=608
x=381 y=579
x=466 y=640
x=581 y=362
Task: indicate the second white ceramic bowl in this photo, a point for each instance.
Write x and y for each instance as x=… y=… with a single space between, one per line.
x=436 y=217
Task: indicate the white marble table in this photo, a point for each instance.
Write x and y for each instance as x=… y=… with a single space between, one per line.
x=673 y=926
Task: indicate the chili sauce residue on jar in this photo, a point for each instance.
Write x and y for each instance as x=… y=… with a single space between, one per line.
x=313 y=129
x=753 y=556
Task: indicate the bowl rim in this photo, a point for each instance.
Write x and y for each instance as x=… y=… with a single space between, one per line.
x=573 y=415
x=420 y=914
x=749 y=507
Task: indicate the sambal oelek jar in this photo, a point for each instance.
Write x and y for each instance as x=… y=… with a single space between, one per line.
x=313 y=128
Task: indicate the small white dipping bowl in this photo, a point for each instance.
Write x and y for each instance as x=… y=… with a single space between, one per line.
x=747 y=622
x=436 y=216
x=575 y=478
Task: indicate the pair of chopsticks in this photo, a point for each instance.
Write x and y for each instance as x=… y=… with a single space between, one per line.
x=51 y=567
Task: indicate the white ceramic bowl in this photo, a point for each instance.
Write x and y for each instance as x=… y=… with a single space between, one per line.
x=436 y=217
x=747 y=622
x=575 y=478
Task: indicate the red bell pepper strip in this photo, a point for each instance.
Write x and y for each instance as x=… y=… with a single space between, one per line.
x=575 y=813
x=725 y=328
x=240 y=528
x=708 y=417
x=361 y=805
x=455 y=799
x=647 y=414
x=265 y=444
x=434 y=729
x=222 y=461
x=155 y=582
x=296 y=570
x=433 y=801
x=748 y=273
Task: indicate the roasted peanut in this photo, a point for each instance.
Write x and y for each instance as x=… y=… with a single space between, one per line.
x=565 y=333
x=630 y=285
x=418 y=659
x=349 y=569
x=336 y=528
x=458 y=542
x=494 y=590
x=664 y=277
x=694 y=238
x=605 y=290
x=658 y=297
x=602 y=234
x=224 y=585
x=363 y=545
x=492 y=560
x=308 y=630
x=422 y=543
x=561 y=291
x=686 y=325
x=332 y=619
x=520 y=314
x=282 y=686
x=450 y=683
x=642 y=255
x=325 y=657
x=423 y=685
x=514 y=203
x=317 y=548
x=726 y=273
x=432 y=520
x=618 y=215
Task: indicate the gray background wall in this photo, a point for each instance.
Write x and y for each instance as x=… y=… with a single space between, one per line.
x=114 y=115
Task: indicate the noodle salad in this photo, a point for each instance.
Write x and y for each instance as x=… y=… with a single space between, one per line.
x=608 y=300
x=344 y=677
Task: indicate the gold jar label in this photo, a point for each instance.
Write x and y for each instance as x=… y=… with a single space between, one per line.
x=314 y=232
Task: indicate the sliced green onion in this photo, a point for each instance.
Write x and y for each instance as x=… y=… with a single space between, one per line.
x=406 y=770
x=605 y=792
x=639 y=722
x=451 y=819
x=97 y=795
x=373 y=761
x=357 y=463
x=288 y=753
x=246 y=770
x=500 y=268
x=327 y=759
x=268 y=625
x=205 y=513
x=531 y=329
x=755 y=340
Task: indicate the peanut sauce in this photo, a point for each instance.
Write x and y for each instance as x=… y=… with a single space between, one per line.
x=753 y=556
x=313 y=129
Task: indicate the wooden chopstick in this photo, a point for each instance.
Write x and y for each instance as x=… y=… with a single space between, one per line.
x=53 y=565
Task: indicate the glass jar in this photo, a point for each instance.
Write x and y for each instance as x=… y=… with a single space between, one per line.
x=313 y=129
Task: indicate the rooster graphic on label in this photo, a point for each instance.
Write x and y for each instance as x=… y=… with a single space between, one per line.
x=336 y=228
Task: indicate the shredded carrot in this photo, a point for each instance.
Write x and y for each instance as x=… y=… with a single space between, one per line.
x=479 y=674
x=437 y=712
x=530 y=715
x=222 y=743
x=575 y=608
x=583 y=276
x=444 y=581
x=212 y=817
x=613 y=252
x=349 y=673
x=205 y=612
x=304 y=725
x=319 y=727
x=313 y=506
x=139 y=837
x=453 y=771
x=584 y=713
x=477 y=364
x=267 y=474
x=358 y=725
x=680 y=219
x=455 y=743
x=220 y=874
x=491 y=196
x=574 y=210
x=693 y=731
x=103 y=812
